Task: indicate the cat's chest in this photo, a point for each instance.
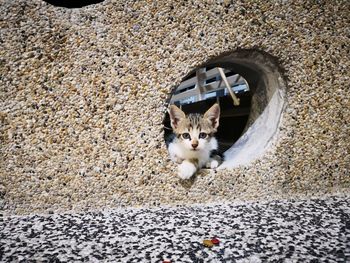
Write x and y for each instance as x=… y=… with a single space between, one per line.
x=176 y=149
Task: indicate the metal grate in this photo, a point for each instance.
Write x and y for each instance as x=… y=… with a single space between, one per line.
x=209 y=83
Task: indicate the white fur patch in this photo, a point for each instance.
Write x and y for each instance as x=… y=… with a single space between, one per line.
x=214 y=164
x=186 y=170
x=179 y=150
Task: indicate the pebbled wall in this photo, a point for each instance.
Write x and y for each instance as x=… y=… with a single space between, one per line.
x=83 y=94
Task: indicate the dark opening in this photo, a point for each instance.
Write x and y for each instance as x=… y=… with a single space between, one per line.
x=211 y=89
x=72 y=3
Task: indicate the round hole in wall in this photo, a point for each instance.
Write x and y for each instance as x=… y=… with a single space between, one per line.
x=72 y=3
x=246 y=130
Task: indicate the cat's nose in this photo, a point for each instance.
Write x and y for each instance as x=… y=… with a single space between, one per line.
x=194 y=145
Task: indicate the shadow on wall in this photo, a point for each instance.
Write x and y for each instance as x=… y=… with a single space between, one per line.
x=72 y=3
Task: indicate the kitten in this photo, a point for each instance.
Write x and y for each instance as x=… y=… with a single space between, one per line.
x=193 y=143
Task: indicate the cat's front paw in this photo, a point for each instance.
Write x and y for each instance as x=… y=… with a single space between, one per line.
x=186 y=170
x=212 y=164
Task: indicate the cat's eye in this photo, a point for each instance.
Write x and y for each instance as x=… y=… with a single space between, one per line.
x=203 y=135
x=186 y=135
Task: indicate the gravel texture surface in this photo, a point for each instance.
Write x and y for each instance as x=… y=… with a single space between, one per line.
x=84 y=91
x=316 y=230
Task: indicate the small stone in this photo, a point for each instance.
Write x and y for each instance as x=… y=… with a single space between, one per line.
x=208 y=243
x=136 y=27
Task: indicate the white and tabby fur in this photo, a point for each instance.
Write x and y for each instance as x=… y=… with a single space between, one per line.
x=192 y=151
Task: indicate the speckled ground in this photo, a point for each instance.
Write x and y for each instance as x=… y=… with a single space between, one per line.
x=316 y=230
x=83 y=94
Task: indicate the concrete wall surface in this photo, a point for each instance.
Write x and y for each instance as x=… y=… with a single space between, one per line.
x=83 y=93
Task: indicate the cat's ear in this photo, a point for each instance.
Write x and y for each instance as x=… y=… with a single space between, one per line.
x=175 y=115
x=213 y=115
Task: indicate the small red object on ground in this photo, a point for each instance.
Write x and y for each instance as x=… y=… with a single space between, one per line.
x=215 y=241
x=166 y=261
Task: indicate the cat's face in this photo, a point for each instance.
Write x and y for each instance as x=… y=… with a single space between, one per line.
x=194 y=131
